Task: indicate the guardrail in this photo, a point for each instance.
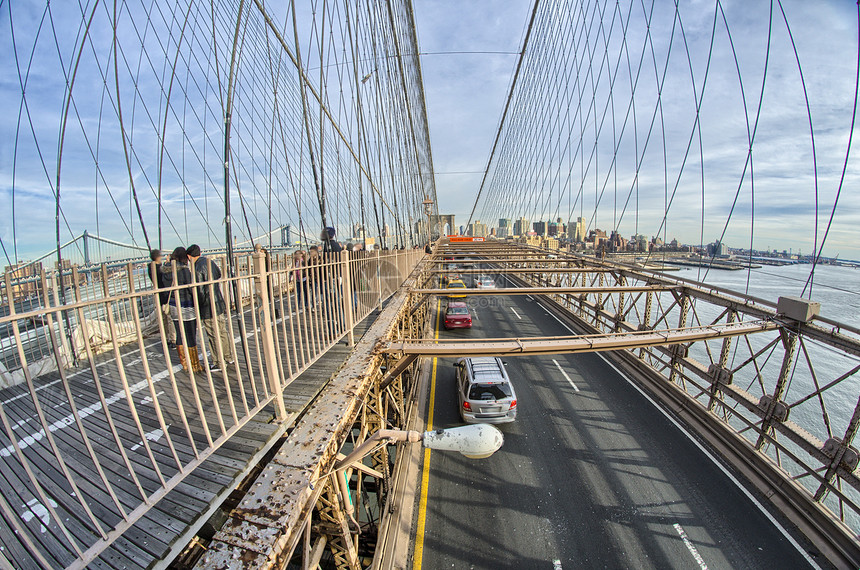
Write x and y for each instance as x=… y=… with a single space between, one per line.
x=87 y=451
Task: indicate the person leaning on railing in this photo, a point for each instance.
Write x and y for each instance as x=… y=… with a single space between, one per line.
x=300 y=278
x=182 y=309
x=212 y=307
x=157 y=278
x=314 y=271
x=273 y=293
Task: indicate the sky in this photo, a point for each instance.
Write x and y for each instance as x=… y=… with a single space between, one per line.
x=466 y=93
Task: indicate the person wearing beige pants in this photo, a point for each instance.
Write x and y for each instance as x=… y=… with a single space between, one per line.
x=212 y=308
x=168 y=325
x=221 y=337
x=157 y=277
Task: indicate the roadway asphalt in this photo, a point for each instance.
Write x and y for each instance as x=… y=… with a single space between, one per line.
x=594 y=478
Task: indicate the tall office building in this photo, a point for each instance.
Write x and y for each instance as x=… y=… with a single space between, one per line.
x=540 y=228
x=576 y=230
x=505 y=227
x=521 y=227
x=478 y=229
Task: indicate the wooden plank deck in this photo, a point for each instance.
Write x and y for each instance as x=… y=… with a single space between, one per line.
x=212 y=402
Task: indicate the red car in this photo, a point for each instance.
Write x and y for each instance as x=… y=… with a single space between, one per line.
x=457 y=316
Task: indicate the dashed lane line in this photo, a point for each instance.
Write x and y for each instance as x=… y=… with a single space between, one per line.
x=566 y=377
x=693 y=550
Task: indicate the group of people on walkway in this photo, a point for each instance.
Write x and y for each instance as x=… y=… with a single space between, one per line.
x=177 y=308
x=179 y=311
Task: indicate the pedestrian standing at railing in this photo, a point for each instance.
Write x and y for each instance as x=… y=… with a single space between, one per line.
x=182 y=309
x=314 y=271
x=330 y=244
x=270 y=281
x=330 y=283
x=212 y=308
x=163 y=309
x=299 y=276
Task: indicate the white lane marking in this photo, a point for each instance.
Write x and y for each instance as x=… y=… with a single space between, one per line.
x=69 y=376
x=707 y=453
x=153 y=435
x=35 y=509
x=516 y=313
x=148 y=399
x=21 y=423
x=556 y=564
x=530 y=298
x=156 y=342
x=560 y=369
x=690 y=547
x=65 y=422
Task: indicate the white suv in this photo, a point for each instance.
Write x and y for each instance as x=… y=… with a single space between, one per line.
x=485 y=391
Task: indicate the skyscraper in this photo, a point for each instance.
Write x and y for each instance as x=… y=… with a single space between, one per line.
x=478 y=229
x=521 y=227
x=576 y=230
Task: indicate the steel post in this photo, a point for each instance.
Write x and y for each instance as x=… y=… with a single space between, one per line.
x=261 y=277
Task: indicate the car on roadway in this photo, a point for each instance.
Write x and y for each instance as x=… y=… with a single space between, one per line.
x=451 y=272
x=485 y=283
x=455 y=284
x=485 y=392
x=457 y=316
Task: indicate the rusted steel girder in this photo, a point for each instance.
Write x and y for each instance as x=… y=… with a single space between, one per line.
x=270 y=521
x=505 y=270
x=544 y=290
x=491 y=258
x=579 y=343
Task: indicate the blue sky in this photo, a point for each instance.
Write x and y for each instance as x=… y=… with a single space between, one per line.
x=466 y=93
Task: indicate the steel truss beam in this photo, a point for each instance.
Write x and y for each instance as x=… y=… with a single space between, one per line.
x=542 y=290
x=569 y=344
x=506 y=270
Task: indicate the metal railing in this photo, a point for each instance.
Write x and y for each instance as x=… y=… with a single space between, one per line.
x=88 y=449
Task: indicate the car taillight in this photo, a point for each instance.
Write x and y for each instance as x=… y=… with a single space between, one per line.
x=513 y=404
x=466 y=406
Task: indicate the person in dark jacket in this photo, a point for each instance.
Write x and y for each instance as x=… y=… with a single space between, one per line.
x=163 y=296
x=330 y=244
x=182 y=309
x=212 y=307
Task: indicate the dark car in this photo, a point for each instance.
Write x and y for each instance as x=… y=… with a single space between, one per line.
x=457 y=316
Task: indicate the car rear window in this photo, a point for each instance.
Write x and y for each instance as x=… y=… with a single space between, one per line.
x=489 y=391
x=456 y=285
x=458 y=311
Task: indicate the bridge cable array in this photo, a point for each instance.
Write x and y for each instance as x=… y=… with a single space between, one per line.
x=642 y=118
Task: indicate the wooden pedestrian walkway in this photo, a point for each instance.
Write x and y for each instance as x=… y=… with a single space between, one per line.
x=103 y=440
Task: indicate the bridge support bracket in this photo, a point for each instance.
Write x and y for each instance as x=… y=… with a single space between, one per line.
x=780 y=409
x=851 y=457
x=721 y=374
